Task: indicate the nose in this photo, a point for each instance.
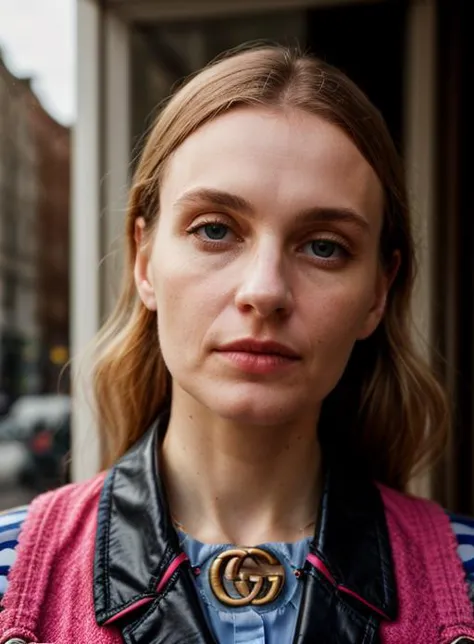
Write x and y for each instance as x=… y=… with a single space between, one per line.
x=264 y=288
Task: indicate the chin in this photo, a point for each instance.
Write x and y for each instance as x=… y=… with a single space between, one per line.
x=250 y=403
x=262 y=411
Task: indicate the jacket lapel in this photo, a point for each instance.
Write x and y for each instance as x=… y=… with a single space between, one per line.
x=135 y=546
x=174 y=618
x=324 y=617
x=353 y=588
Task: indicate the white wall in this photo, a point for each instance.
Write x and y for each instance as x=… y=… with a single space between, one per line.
x=85 y=232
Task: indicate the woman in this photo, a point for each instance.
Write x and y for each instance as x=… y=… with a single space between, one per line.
x=261 y=402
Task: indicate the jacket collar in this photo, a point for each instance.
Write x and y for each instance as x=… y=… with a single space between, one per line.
x=136 y=541
x=352 y=536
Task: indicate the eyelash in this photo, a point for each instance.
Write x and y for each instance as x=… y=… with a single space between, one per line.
x=215 y=244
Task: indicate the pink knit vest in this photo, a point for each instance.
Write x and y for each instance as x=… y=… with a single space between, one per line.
x=50 y=597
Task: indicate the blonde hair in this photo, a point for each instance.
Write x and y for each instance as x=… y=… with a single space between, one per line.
x=398 y=410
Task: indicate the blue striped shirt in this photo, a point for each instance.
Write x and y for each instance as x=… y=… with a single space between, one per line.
x=10 y=526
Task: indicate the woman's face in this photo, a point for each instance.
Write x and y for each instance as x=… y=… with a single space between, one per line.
x=268 y=235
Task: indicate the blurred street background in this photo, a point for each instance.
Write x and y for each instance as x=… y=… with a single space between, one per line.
x=80 y=85
x=37 y=109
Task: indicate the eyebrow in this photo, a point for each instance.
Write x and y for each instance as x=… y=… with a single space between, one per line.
x=229 y=201
x=219 y=198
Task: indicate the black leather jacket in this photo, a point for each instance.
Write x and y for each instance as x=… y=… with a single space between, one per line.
x=136 y=542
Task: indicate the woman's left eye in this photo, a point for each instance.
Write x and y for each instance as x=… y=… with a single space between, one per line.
x=324 y=248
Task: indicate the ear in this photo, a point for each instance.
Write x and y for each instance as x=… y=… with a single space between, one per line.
x=385 y=279
x=142 y=268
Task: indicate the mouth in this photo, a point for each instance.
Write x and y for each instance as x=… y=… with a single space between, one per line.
x=260 y=347
x=259 y=357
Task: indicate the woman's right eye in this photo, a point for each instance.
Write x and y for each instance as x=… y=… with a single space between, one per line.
x=212 y=231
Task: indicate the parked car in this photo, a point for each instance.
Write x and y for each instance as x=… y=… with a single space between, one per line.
x=42 y=425
x=13 y=458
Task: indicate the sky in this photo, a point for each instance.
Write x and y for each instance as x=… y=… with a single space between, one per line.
x=37 y=39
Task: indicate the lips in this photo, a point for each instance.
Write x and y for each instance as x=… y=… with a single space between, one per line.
x=261 y=347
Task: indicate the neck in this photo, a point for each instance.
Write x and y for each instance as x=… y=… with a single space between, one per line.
x=233 y=483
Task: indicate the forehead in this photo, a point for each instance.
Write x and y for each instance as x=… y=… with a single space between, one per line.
x=278 y=160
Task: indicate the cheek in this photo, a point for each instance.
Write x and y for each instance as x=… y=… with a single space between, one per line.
x=338 y=314
x=188 y=302
x=333 y=323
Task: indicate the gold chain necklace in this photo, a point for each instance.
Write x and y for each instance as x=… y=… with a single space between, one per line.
x=180 y=527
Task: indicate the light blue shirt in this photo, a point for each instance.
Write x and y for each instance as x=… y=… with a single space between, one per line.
x=273 y=623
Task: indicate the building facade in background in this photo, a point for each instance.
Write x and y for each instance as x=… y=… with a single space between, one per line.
x=34 y=242
x=53 y=152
